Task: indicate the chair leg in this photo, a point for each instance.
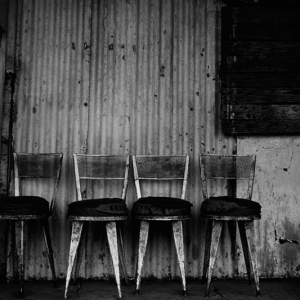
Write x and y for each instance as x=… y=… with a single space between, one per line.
x=216 y=233
x=232 y=233
x=249 y=228
x=21 y=238
x=143 y=239
x=207 y=247
x=10 y=242
x=75 y=239
x=80 y=250
x=47 y=237
x=122 y=255
x=245 y=247
x=178 y=238
x=111 y=230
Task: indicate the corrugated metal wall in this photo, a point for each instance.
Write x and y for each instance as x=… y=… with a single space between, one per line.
x=118 y=77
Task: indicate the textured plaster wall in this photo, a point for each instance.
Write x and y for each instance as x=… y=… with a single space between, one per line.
x=277 y=189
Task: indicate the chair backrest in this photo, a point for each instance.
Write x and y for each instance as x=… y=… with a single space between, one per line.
x=38 y=165
x=101 y=167
x=154 y=167
x=231 y=167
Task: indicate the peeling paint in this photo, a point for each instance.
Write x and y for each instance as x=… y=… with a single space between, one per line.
x=276 y=188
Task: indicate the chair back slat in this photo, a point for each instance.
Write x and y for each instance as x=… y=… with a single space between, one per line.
x=44 y=165
x=101 y=167
x=160 y=167
x=231 y=167
x=38 y=166
x=168 y=167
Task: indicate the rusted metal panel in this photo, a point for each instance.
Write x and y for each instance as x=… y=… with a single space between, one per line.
x=7 y=104
x=119 y=77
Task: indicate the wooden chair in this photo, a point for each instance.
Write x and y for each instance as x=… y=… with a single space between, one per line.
x=158 y=208
x=228 y=207
x=20 y=208
x=108 y=210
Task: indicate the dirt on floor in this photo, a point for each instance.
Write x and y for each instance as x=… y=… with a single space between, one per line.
x=275 y=289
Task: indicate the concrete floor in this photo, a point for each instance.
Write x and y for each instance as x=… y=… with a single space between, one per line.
x=275 y=289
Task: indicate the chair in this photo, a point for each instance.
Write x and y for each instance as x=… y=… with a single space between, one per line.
x=240 y=171
x=158 y=208
x=98 y=168
x=19 y=209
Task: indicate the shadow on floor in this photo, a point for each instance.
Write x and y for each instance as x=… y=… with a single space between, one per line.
x=274 y=289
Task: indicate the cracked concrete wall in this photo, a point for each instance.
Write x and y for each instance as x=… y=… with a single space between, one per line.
x=277 y=189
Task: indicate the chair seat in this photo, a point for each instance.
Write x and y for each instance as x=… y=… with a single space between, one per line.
x=161 y=206
x=98 y=207
x=23 y=205
x=230 y=206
